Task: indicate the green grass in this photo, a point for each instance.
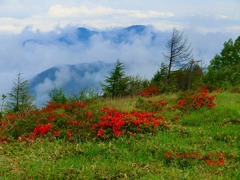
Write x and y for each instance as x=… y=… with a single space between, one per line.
x=140 y=157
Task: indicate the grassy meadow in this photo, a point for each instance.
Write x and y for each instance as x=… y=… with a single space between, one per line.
x=202 y=144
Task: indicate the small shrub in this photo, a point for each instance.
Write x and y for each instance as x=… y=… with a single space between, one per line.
x=149 y=91
x=57 y=95
x=195 y=100
x=150 y=106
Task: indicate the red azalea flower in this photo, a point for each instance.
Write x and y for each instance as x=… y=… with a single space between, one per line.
x=42 y=129
x=181 y=102
x=31 y=137
x=221 y=162
x=211 y=105
x=69 y=134
x=100 y=132
x=56 y=133
x=198 y=104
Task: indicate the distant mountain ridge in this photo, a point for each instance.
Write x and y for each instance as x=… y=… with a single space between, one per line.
x=70 y=78
x=84 y=35
x=74 y=78
x=138 y=46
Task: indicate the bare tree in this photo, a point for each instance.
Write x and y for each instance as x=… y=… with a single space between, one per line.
x=178 y=52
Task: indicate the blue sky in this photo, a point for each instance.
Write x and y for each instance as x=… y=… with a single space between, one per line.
x=207 y=23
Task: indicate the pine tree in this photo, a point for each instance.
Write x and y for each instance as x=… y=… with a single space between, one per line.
x=159 y=78
x=20 y=98
x=116 y=84
x=57 y=95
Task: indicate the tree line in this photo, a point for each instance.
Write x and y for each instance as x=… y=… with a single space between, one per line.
x=179 y=71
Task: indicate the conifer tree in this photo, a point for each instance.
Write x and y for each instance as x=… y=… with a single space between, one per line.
x=19 y=97
x=116 y=84
x=159 y=78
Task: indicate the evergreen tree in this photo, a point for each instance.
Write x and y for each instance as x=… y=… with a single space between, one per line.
x=116 y=84
x=20 y=98
x=2 y=104
x=57 y=95
x=160 y=76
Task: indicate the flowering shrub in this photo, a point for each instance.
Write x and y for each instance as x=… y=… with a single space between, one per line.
x=115 y=123
x=42 y=129
x=150 y=106
x=149 y=91
x=77 y=121
x=200 y=98
x=84 y=121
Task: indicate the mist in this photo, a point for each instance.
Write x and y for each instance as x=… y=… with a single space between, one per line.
x=31 y=52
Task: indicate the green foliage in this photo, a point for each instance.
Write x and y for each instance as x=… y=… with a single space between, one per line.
x=224 y=68
x=84 y=95
x=160 y=77
x=58 y=95
x=151 y=106
x=19 y=98
x=116 y=84
x=189 y=77
x=135 y=85
x=2 y=104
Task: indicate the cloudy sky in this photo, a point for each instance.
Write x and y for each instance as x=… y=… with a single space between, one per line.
x=204 y=15
x=208 y=23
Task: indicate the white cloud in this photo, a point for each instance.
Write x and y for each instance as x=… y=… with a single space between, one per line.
x=60 y=11
x=99 y=15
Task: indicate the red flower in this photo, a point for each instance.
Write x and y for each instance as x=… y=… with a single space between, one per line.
x=56 y=133
x=221 y=162
x=149 y=91
x=211 y=105
x=31 y=137
x=100 y=132
x=52 y=118
x=42 y=129
x=138 y=130
x=198 y=104
x=88 y=115
x=209 y=162
x=69 y=134
x=181 y=102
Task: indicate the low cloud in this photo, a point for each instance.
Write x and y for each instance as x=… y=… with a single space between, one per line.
x=33 y=52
